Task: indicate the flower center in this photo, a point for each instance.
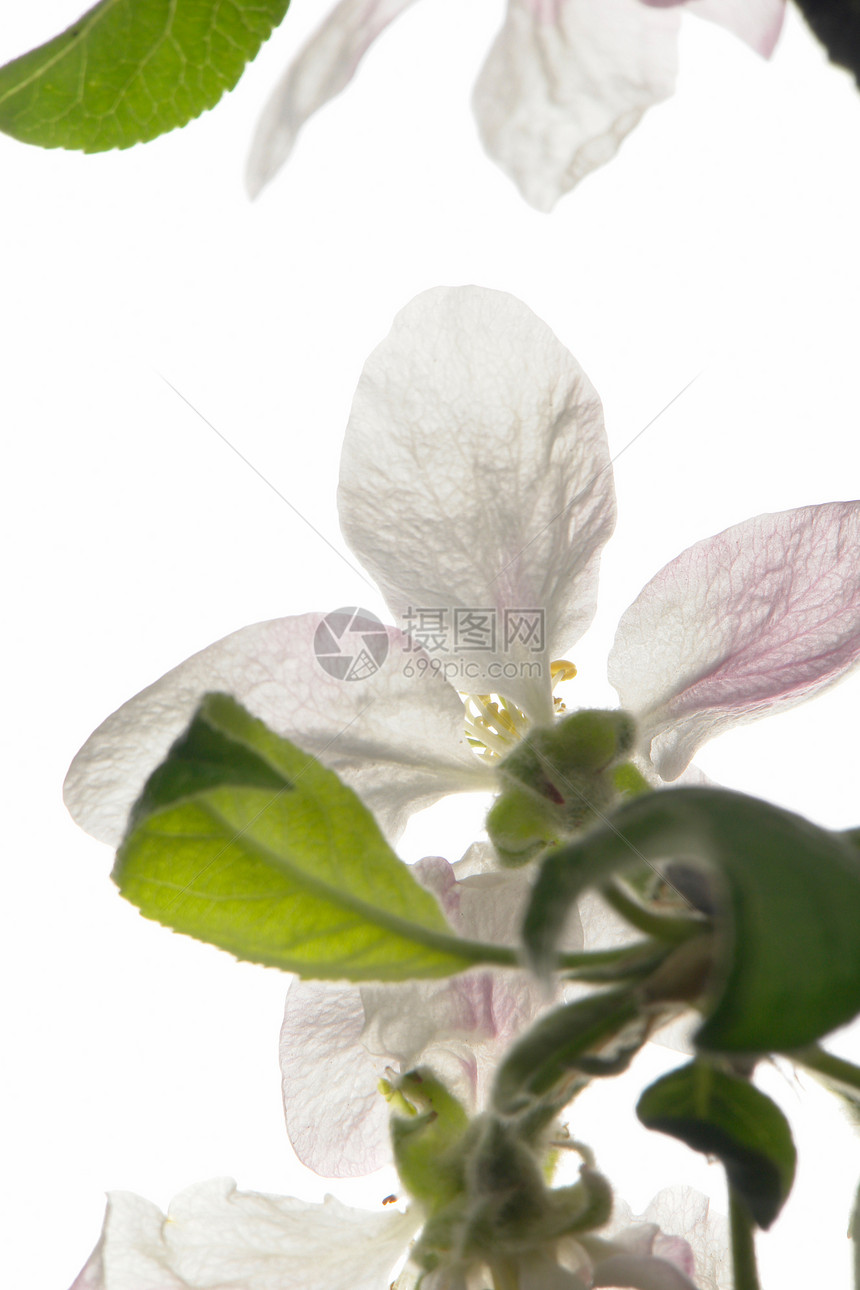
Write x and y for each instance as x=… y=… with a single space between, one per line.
x=494 y=725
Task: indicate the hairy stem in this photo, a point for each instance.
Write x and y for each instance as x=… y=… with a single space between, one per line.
x=835 y=1070
x=664 y=927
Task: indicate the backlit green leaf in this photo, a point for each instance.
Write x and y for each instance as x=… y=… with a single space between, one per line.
x=243 y=840
x=788 y=897
x=727 y=1117
x=129 y=70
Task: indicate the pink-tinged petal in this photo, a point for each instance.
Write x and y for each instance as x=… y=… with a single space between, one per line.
x=565 y=82
x=323 y=68
x=337 y=1120
x=630 y=1272
x=700 y=1247
x=758 y=22
x=217 y=1238
x=678 y=1229
x=475 y=476
x=752 y=621
x=397 y=739
x=337 y=1042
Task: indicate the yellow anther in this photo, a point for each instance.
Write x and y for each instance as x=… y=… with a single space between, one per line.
x=562 y=670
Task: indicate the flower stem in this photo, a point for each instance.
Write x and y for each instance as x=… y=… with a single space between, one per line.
x=627 y=961
x=662 y=926
x=835 y=1070
x=743 y=1244
x=505 y=1274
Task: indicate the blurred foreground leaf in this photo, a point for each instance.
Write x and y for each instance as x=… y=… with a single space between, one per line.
x=788 y=909
x=836 y=23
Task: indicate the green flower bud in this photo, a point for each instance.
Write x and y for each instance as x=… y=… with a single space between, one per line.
x=427 y=1142
x=588 y=741
x=521 y=825
x=559 y=779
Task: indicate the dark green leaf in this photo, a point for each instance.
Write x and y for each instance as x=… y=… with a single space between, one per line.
x=727 y=1117
x=788 y=966
x=836 y=23
x=594 y=1036
x=243 y=840
x=129 y=70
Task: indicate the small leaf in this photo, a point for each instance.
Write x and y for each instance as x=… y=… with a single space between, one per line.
x=570 y=1041
x=788 y=909
x=728 y=1117
x=243 y=840
x=836 y=23
x=129 y=70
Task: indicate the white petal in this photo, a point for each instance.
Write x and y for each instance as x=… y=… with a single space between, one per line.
x=337 y=1120
x=337 y=1041
x=324 y=67
x=563 y=84
x=475 y=476
x=754 y=620
x=397 y=740
x=758 y=22
x=217 y=1238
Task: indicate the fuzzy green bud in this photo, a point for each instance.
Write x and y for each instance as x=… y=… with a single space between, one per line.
x=426 y=1142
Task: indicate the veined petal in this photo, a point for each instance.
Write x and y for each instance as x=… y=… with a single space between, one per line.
x=323 y=68
x=563 y=84
x=337 y=1041
x=642 y=1252
x=337 y=1119
x=217 y=1238
x=754 y=620
x=758 y=22
x=701 y=1233
x=475 y=479
x=396 y=739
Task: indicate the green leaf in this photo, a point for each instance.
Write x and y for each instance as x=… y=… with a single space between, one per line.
x=243 y=840
x=728 y=1117
x=836 y=23
x=787 y=961
x=567 y=1047
x=129 y=70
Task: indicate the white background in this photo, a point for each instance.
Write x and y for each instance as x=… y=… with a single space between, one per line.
x=721 y=241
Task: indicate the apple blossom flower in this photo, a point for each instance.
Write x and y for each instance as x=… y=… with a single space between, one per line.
x=214 y=1237
x=476 y=479
x=564 y=82
x=339 y=1041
